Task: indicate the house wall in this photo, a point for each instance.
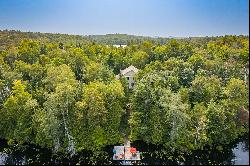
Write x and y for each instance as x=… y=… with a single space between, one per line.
x=131 y=82
x=130 y=78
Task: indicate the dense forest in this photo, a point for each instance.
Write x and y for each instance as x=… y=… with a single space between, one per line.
x=60 y=91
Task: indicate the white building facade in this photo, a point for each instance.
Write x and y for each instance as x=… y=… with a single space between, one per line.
x=129 y=74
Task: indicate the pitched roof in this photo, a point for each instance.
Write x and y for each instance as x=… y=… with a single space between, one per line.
x=128 y=69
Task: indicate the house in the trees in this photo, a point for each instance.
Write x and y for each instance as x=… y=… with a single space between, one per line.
x=120 y=45
x=128 y=73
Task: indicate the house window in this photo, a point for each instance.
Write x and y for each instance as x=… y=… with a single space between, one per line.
x=127 y=78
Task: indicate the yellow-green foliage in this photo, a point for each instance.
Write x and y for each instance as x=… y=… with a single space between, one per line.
x=61 y=92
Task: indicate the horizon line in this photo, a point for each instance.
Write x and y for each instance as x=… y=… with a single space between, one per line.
x=115 y=33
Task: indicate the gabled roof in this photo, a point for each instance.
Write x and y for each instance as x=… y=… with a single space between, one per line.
x=130 y=68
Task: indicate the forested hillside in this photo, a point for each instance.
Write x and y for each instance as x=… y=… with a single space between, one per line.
x=10 y=38
x=111 y=39
x=60 y=91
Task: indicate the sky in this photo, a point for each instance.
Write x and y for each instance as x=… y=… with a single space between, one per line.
x=164 y=18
